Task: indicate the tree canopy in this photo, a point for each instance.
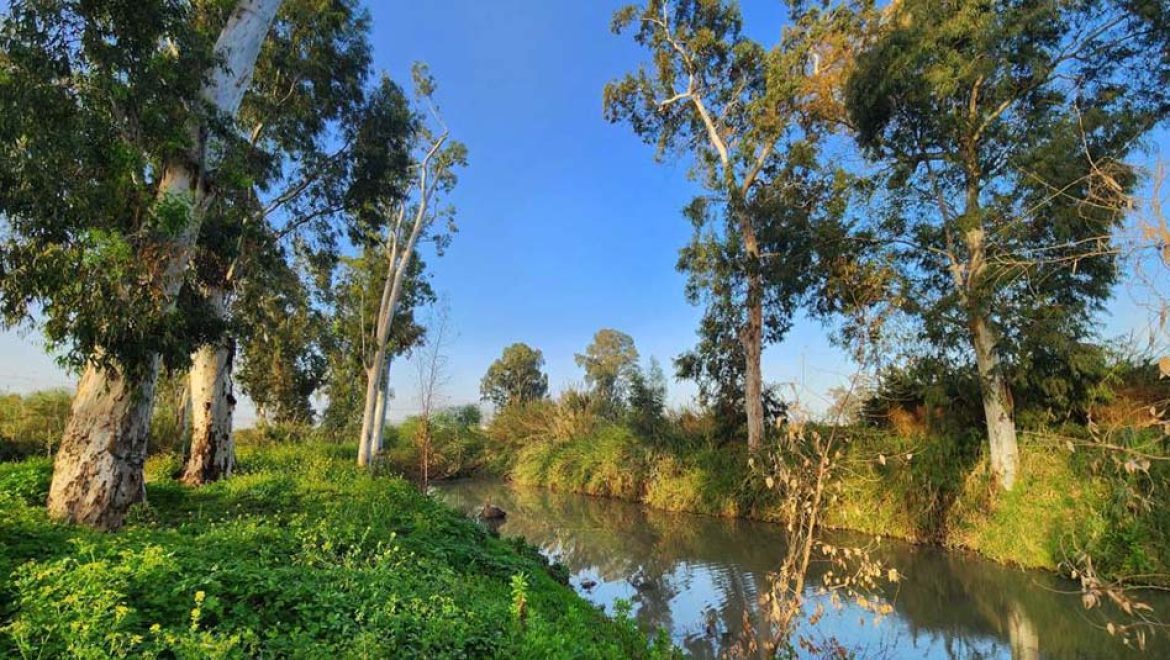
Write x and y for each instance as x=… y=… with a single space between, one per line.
x=609 y=362
x=515 y=377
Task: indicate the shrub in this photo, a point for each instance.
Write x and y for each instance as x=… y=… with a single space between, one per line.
x=456 y=444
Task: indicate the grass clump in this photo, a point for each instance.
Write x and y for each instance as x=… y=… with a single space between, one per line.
x=299 y=554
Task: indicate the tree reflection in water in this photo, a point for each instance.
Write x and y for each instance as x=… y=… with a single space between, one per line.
x=700 y=578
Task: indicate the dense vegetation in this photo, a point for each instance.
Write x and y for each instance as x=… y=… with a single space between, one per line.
x=908 y=475
x=300 y=554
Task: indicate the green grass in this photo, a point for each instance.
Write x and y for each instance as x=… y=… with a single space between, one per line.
x=297 y=555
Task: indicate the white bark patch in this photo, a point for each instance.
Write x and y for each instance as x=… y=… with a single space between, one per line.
x=212 y=454
x=98 y=471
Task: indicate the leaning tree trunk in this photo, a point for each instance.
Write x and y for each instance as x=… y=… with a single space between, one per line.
x=97 y=474
x=378 y=373
x=375 y=372
x=212 y=453
x=997 y=406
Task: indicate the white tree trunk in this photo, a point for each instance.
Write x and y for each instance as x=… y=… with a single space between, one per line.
x=212 y=452
x=97 y=474
x=997 y=407
x=398 y=260
x=373 y=384
x=380 y=417
x=98 y=471
x=392 y=289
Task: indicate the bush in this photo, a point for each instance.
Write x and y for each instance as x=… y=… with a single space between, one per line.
x=456 y=444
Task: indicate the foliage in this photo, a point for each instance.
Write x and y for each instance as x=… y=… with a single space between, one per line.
x=170 y=420
x=283 y=346
x=95 y=99
x=1001 y=131
x=646 y=410
x=750 y=119
x=299 y=554
x=356 y=295
x=309 y=194
x=933 y=486
x=456 y=444
x=32 y=424
x=934 y=394
x=515 y=377
x=609 y=363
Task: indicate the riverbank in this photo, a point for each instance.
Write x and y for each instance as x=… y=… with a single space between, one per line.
x=299 y=553
x=922 y=490
x=700 y=576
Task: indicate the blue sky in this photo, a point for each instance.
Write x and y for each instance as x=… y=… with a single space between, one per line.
x=567 y=224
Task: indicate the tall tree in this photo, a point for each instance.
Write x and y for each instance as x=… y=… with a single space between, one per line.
x=318 y=148
x=748 y=117
x=354 y=304
x=114 y=118
x=421 y=214
x=515 y=377
x=609 y=363
x=1005 y=126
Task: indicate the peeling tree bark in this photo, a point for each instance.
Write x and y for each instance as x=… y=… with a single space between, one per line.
x=212 y=453
x=97 y=474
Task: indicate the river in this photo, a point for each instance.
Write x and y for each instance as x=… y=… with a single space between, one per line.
x=699 y=577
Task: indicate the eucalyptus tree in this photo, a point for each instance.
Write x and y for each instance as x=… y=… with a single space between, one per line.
x=750 y=119
x=114 y=119
x=421 y=214
x=610 y=362
x=353 y=305
x=320 y=149
x=517 y=376
x=1004 y=127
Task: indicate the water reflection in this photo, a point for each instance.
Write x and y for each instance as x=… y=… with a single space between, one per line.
x=699 y=578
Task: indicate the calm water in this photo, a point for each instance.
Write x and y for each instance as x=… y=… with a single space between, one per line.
x=699 y=577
